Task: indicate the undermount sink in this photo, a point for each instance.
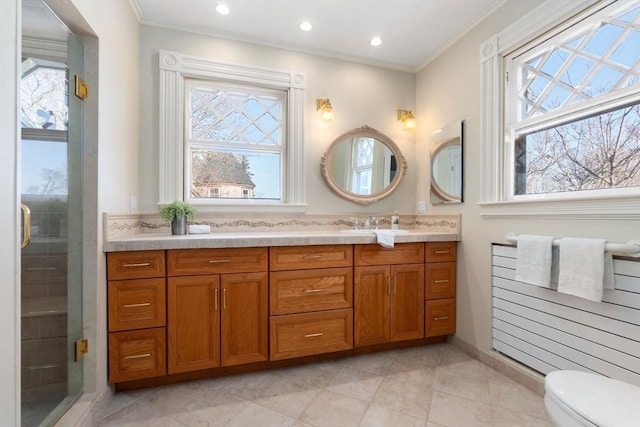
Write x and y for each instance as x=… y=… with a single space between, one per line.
x=363 y=231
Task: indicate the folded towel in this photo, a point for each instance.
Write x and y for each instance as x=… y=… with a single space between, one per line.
x=386 y=238
x=582 y=268
x=533 y=262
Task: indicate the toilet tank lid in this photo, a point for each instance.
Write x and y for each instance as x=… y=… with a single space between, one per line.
x=603 y=401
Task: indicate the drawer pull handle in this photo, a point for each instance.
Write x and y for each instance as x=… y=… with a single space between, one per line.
x=137 y=264
x=319 y=334
x=142 y=304
x=445 y=251
x=441 y=281
x=219 y=261
x=41 y=268
x=138 y=356
x=312 y=256
x=312 y=291
x=441 y=318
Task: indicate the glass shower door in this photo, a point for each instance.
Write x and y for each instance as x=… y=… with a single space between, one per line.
x=51 y=196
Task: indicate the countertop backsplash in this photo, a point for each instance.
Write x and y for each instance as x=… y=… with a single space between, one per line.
x=122 y=226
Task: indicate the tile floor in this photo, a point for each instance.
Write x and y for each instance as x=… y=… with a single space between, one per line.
x=430 y=386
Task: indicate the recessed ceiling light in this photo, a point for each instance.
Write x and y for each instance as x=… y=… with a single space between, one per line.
x=222 y=9
x=306 y=26
x=376 y=41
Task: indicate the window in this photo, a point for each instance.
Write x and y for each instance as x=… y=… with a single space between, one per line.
x=573 y=106
x=235 y=138
x=362 y=166
x=230 y=135
x=44 y=122
x=560 y=125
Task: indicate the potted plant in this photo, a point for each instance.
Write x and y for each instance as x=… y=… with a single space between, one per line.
x=177 y=212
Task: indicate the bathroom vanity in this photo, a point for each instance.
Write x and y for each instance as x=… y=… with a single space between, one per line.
x=181 y=313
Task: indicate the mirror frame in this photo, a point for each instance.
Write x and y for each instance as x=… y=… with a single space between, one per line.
x=434 y=183
x=365 y=131
x=452 y=134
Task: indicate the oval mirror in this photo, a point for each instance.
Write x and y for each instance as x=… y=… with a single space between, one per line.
x=363 y=165
x=446 y=164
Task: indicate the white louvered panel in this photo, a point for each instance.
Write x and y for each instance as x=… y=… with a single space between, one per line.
x=625 y=313
x=570 y=355
x=622 y=344
x=547 y=330
x=627 y=298
x=630 y=364
x=537 y=352
x=621 y=328
x=522 y=357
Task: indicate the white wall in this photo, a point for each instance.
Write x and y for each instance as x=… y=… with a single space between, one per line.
x=112 y=168
x=448 y=89
x=359 y=94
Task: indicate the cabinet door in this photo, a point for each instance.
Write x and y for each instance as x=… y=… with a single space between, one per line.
x=193 y=323
x=407 y=296
x=245 y=318
x=371 y=305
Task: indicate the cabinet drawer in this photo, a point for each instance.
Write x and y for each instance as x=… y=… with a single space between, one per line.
x=440 y=317
x=135 y=264
x=185 y=262
x=303 y=257
x=440 y=251
x=402 y=253
x=305 y=334
x=136 y=304
x=302 y=291
x=441 y=280
x=137 y=354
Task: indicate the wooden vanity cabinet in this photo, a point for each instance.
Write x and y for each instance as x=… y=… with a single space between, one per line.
x=311 y=300
x=136 y=315
x=221 y=318
x=388 y=293
x=440 y=289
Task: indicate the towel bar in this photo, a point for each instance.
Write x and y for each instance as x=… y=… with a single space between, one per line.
x=631 y=248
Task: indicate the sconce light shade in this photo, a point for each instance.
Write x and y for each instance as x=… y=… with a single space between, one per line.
x=326 y=110
x=407 y=119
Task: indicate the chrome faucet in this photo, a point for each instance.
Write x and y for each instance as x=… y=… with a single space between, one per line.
x=371 y=223
x=356 y=223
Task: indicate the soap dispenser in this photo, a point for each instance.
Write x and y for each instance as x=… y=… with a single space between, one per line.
x=395 y=221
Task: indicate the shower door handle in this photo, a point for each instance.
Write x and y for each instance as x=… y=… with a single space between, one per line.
x=26 y=226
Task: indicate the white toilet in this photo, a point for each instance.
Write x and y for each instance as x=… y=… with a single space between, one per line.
x=578 y=399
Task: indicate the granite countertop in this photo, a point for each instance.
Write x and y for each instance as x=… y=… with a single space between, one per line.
x=150 y=241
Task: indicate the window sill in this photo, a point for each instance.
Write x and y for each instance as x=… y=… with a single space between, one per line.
x=625 y=207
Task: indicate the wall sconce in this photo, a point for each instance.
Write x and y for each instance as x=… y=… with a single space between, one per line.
x=326 y=110
x=407 y=119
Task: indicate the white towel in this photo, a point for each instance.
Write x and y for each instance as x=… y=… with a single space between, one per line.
x=582 y=268
x=533 y=262
x=386 y=238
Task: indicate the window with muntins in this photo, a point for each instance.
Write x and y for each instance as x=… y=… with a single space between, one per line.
x=572 y=107
x=230 y=135
x=235 y=141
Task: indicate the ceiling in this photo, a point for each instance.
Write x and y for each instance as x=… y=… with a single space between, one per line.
x=412 y=31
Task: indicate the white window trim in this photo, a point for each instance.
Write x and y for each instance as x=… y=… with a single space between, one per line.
x=174 y=68
x=494 y=177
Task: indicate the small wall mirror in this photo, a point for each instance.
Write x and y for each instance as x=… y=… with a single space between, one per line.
x=363 y=165
x=447 y=164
